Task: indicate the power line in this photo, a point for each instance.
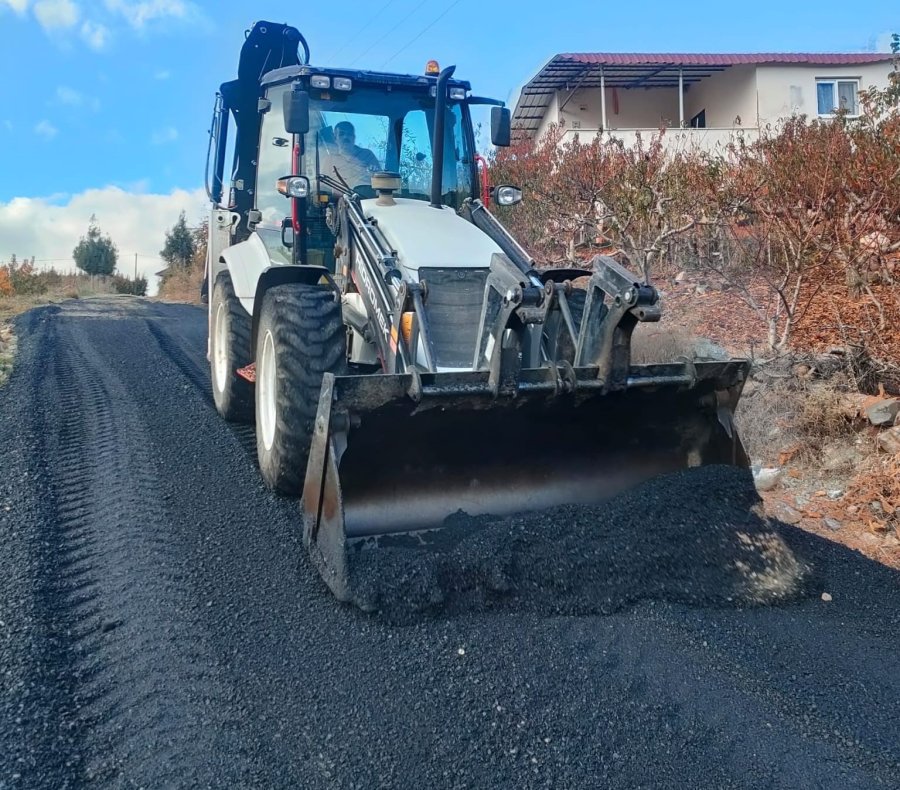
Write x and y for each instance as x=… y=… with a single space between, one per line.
x=353 y=38
x=421 y=32
x=379 y=40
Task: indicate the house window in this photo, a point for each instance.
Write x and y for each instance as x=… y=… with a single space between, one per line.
x=834 y=95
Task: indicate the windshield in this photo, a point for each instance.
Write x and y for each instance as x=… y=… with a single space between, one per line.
x=371 y=128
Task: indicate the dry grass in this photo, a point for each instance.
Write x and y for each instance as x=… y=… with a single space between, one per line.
x=182 y=286
x=788 y=417
x=7 y=351
x=766 y=419
x=822 y=420
x=11 y=306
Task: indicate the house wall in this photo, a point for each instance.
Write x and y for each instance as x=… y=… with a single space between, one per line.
x=725 y=96
x=784 y=90
x=637 y=108
x=757 y=94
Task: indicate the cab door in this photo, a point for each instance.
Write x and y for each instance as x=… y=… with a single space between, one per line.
x=275 y=156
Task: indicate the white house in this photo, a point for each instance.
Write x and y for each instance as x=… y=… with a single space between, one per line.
x=707 y=97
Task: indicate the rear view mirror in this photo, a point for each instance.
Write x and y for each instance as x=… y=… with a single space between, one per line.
x=296 y=112
x=501 y=125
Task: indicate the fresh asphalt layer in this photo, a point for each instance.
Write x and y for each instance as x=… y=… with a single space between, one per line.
x=161 y=626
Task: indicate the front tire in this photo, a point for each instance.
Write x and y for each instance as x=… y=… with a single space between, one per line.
x=229 y=350
x=300 y=337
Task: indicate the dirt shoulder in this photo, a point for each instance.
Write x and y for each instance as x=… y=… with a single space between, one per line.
x=816 y=420
x=10 y=307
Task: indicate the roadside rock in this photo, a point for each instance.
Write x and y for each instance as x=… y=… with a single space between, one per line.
x=889 y=441
x=766 y=478
x=884 y=412
x=787 y=514
x=832 y=523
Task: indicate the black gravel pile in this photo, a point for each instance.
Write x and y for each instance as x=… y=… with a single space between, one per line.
x=695 y=537
x=162 y=626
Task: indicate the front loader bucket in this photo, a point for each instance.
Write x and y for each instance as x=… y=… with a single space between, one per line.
x=398 y=454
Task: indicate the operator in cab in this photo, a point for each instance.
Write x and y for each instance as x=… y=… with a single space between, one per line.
x=355 y=164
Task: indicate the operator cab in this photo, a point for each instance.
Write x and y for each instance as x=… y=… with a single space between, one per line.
x=359 y=123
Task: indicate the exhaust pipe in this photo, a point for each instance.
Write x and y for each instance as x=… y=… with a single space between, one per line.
x=437 y=144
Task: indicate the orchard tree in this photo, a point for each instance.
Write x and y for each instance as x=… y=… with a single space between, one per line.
x=180 y=245
x=587 y=196
x=95 y=253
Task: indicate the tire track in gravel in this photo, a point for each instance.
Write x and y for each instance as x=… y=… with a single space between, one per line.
x=191 y=368
x=195 y=368
x=110 y=587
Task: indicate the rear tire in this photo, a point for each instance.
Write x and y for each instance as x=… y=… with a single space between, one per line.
x=300 y=337
x=229 y=350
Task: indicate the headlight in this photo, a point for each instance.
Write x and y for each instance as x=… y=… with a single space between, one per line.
x=458 y=93
x=320 y=81
x=342 y=83
x=507 y=195
x=293 y=186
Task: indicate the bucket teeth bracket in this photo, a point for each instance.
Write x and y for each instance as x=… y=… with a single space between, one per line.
x=513 y=313
x=604 y=340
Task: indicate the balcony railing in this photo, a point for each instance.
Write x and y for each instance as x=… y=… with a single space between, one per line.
x=704 y=139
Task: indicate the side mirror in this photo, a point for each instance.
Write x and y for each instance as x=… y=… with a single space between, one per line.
x=296 y=112
x=287 y=232
x=501 y=126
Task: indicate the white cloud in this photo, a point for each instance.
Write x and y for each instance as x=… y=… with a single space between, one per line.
x=94 y=35
x=71 y=97
x=54 y=14
x=162 y=74
x=46 y=130
x=139 y=14
x=163 y=136
x=137 y=223
x=19 y=6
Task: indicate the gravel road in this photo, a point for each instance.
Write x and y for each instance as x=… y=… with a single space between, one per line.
x=161 y=626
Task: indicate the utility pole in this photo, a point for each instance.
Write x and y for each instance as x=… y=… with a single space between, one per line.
x=135 y=267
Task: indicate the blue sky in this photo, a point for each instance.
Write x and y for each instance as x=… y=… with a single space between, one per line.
x=106 y=94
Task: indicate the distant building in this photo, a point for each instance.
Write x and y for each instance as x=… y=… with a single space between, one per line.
x=707 y=96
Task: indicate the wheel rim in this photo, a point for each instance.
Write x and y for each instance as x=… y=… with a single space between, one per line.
x=265 y=395
x=220 y=352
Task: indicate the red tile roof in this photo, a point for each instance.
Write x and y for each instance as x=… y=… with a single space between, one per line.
x=734 y=59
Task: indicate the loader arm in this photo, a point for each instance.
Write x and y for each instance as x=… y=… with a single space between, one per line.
x=371 y=264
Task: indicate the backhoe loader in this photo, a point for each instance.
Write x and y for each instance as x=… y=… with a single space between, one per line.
x=402 y=356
